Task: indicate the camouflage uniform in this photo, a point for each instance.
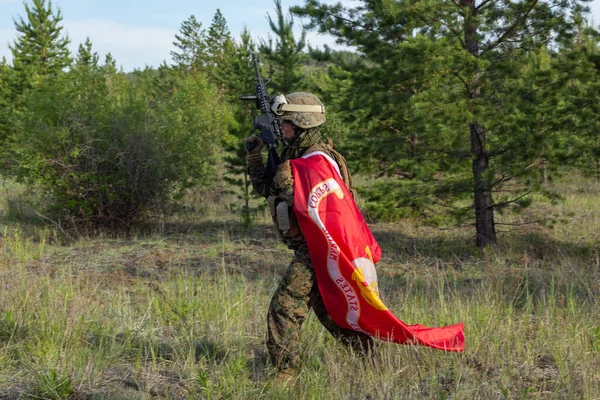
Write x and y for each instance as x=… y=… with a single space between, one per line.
x=297 y=292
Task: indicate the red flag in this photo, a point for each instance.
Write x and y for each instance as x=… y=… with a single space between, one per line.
x=344 y=253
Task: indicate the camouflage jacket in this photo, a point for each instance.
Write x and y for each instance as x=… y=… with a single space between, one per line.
x=280 y=191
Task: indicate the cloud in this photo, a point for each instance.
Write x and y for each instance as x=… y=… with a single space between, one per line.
x=132 y=46
x=136 y=46
x=7 y=36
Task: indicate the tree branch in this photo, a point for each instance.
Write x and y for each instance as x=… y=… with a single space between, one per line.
x=454 y=31
x=483 y=3
x=465 y=83
x=512 y=29
x=519 y=223
x=507 y=202
x=340 y=17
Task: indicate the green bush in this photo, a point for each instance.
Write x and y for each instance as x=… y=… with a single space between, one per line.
x=112 y=151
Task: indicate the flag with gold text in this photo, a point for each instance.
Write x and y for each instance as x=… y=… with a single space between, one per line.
x=344 y=252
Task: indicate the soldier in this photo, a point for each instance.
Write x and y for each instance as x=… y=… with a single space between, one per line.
x=300 y=115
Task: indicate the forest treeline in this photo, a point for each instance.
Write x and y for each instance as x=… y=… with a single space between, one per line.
x=456 y=108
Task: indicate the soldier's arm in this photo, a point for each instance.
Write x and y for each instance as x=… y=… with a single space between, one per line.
x=256 y=168
x=284 y=182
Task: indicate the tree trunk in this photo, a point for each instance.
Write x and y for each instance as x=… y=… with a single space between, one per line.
x=597 y=158
x=543 y=160
x=247 y=213
x=543 y=171
x=484 y=205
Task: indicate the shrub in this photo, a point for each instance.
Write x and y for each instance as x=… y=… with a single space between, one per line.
x=112 y=151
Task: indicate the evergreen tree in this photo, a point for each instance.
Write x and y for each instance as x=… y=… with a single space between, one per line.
x=5 y=72
x=327 y=74
x=85 y=55
x=110 y=64
x=436 y=99
x=580 y=59
x=217 y=39
x=285 y=56
x=40 y=49
x=191 y=42
x=220 y=50
x=6 y=102
x=237 y=74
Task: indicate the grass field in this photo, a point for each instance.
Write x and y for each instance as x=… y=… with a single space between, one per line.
x=180 y=313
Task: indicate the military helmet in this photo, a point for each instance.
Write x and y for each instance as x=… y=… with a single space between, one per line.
x=304 y=110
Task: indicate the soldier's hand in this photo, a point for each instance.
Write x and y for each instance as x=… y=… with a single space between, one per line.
x=254 y=144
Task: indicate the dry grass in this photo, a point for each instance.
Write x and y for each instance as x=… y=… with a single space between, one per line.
x=180 y=314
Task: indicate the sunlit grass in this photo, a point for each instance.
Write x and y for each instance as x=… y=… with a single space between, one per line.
x=180 y=313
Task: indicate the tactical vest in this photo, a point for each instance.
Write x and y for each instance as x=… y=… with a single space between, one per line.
x=283 y=216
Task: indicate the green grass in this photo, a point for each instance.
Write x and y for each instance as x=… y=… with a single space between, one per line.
x=180 y=314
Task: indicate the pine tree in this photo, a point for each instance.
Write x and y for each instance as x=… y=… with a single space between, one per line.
x=239 y=180
x=220 y=49
x=217 y=39
x=85 y=55
x=6 y=101
x=191 y=42
x=236 y=73
x=110 y=64
x=591 y=107
x=436 y=98
x=580 y=59
x=5 y=72
x=285 y=56
x=326 y=73
x=40 y=49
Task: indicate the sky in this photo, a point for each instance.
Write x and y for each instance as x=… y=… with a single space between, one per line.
x=140 y=33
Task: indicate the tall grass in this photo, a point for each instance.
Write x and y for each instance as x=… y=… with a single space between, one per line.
x=181 y=313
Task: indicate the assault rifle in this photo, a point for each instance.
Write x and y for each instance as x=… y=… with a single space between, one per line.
x=266 y=122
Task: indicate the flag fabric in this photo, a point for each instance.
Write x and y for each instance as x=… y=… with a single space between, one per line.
x=344 y=252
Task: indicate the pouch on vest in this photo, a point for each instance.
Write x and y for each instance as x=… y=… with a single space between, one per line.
x=280 y=213
x=283 y=218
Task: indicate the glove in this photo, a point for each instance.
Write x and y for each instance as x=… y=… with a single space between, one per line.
x=255 y=159
x=254 y=144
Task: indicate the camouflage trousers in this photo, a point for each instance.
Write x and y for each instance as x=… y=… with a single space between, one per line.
x=296 y=294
